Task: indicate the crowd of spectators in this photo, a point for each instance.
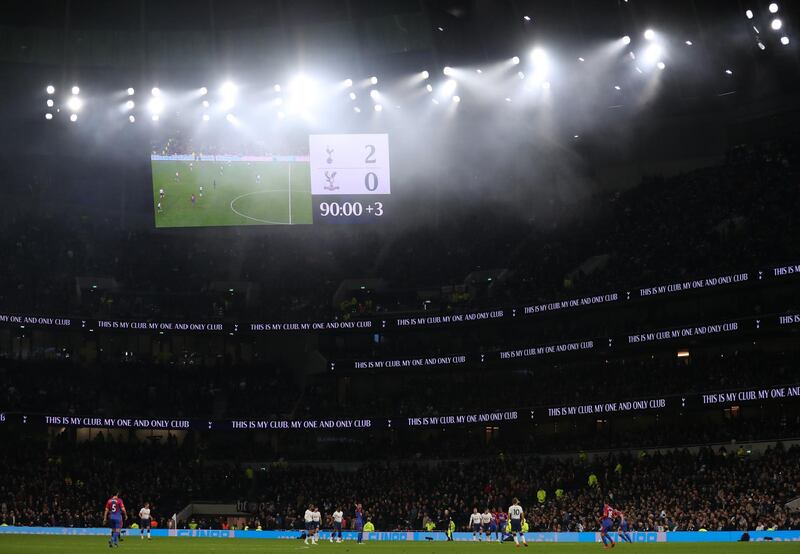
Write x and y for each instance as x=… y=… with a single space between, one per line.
x=67 y=484
x=262 y=390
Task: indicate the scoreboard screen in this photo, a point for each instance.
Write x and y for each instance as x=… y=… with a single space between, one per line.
x=343 y=179
x=349 y=176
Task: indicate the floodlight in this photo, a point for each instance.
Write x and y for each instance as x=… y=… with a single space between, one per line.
x=74 y=103
x=205 y=103
x=76 y=90
x=48 y=116
x=776 y=24
x=50 y=89
x=520 y=74
x=785 y=41
x=276 y=88
x=203 y=91
x=448 y=71
x=689 y=43
x=228 y=89
x=661 y=65
x=652 y=53
x=729 y=72
x=617 y=87
x=206 y=117
x=538 y=55
x=373 y=80
x=429 y=87
x=352 y=96
x=50 y=103
x=131 y=91
x=378 y=108
x=230 y=118
x=626 y=40
x=649 y=34
x=515 y=60
x=348 y=83
x=356 y=109
x=456 y=99
x=129 y=104
x=131 y=118
x=155 y=106
x=749 y=14
x=526 y=17
x=155 y=91
x=73 y=117
x=374 y=94
x=155 y=117
x=425 y=74
x=773 y=8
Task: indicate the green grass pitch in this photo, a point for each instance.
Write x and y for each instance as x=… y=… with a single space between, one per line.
x=26 y=544
x=245 y=193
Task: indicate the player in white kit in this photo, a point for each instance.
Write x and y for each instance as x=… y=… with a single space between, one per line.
x=144 y=521
x=475 y=524
x=307 y=520
x=316 y=517
x=486 y=522
x=515 y=516
x=338 y=514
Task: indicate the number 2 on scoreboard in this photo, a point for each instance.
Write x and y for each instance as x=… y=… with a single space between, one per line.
x=370 y=159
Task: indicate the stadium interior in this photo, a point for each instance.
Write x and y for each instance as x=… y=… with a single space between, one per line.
x=577 y=283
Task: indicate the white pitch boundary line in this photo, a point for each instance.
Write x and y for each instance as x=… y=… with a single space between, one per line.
x=290 y=193
x=234 y=210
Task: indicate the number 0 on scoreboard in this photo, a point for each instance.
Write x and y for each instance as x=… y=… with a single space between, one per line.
x=349 y=164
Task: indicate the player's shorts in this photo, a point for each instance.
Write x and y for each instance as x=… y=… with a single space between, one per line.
x=476 y=527
x=492 y=527
x=309 y=525
x=144 y=523
x=606 y=525
x=316 y=525
x=516 y=526
x=115 y=522
x=337 y=525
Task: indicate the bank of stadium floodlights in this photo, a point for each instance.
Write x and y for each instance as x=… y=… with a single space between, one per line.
x=618 y=67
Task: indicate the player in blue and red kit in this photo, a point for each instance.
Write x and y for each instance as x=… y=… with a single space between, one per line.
x=622 y=533
x=359 y=522
x=114 y=513
x=606 y=523
x=500 y=524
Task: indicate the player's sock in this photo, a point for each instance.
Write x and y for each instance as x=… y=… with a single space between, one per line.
x=516 y=539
